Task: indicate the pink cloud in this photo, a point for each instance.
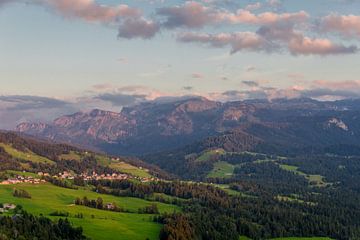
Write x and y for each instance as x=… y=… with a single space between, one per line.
x=269 y=39
x=318 y=46
x=237 y=41
x=191 y=14
x=195 y=15
x=138 y=28
x=254 y=6
x=197 y=75
x=245 y=16
x=347 y=25
x=91 y=11
x=346 y=85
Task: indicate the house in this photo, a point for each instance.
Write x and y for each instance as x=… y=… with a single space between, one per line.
x=110 y=206
x=9 y=206
x=6 y=207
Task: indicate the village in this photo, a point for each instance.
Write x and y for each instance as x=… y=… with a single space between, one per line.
x=71 y=176
x=22 y=179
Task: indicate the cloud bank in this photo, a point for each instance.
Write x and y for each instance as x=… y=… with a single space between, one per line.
x=297 y=33
x=15 y=109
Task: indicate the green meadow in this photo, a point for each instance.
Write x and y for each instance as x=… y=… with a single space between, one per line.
x=316 y=180
x=206 y=156
x=130 y=169
x=28 y=155
x=97 y=224
x=122 y=166
x=72 y=155
x=222 y=170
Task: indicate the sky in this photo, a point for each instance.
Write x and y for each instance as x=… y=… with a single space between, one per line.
x=62 y=56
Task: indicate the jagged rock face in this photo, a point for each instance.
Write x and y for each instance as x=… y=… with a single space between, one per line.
x=32 y=127
x=334 y=122
x=95 y=125
x=155 y=126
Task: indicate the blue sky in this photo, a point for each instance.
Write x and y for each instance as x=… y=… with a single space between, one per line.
x=229 y=50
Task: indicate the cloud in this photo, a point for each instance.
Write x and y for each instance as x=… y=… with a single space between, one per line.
x=188 y=88
x=250 y=83
x=268 y=39
x=191 y=14
x=298 y=44
x=266 y=18
x=321 y=93
x=119 y=99
x=195 y=15
x=250 y=68
x=15 y=109
x=21 y=102
x=91 y=11
x=254 y=6
x=103 y=86
x=123 y=60
x=347 y=85
x=274 y=3
x=318 y=46
x=237 y=41
x=139 y=92
x=320 y=90
x=276 y=33
x=345 y=25
x=130 y=20
x=138 y=28
x=296 y=76
x=197 y=75
x=3 y=2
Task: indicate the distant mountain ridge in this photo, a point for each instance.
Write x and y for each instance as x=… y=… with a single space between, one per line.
x=163 y=125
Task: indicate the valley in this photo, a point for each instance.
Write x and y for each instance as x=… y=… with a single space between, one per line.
x=254 y=175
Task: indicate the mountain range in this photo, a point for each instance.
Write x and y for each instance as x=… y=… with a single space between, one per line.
x=262 y=125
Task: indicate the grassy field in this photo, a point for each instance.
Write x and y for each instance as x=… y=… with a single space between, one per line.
x=29 y=156
x=316 y=180
x=232 y=192
x=97 y=224
x=122 y=166
x=24 y=174
x=208 y=154
x=221 y=170
x=293 y=199
x=103 y=160
x=130 y=169
x=71 y=156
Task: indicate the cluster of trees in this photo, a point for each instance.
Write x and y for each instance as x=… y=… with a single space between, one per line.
x=151 y=209
x=172 y=223
x=60 y=182
x=177 y=189
x=20 y=193
x=42 y=148
x=98 y=203
x=60 y=214
x=26 y=226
